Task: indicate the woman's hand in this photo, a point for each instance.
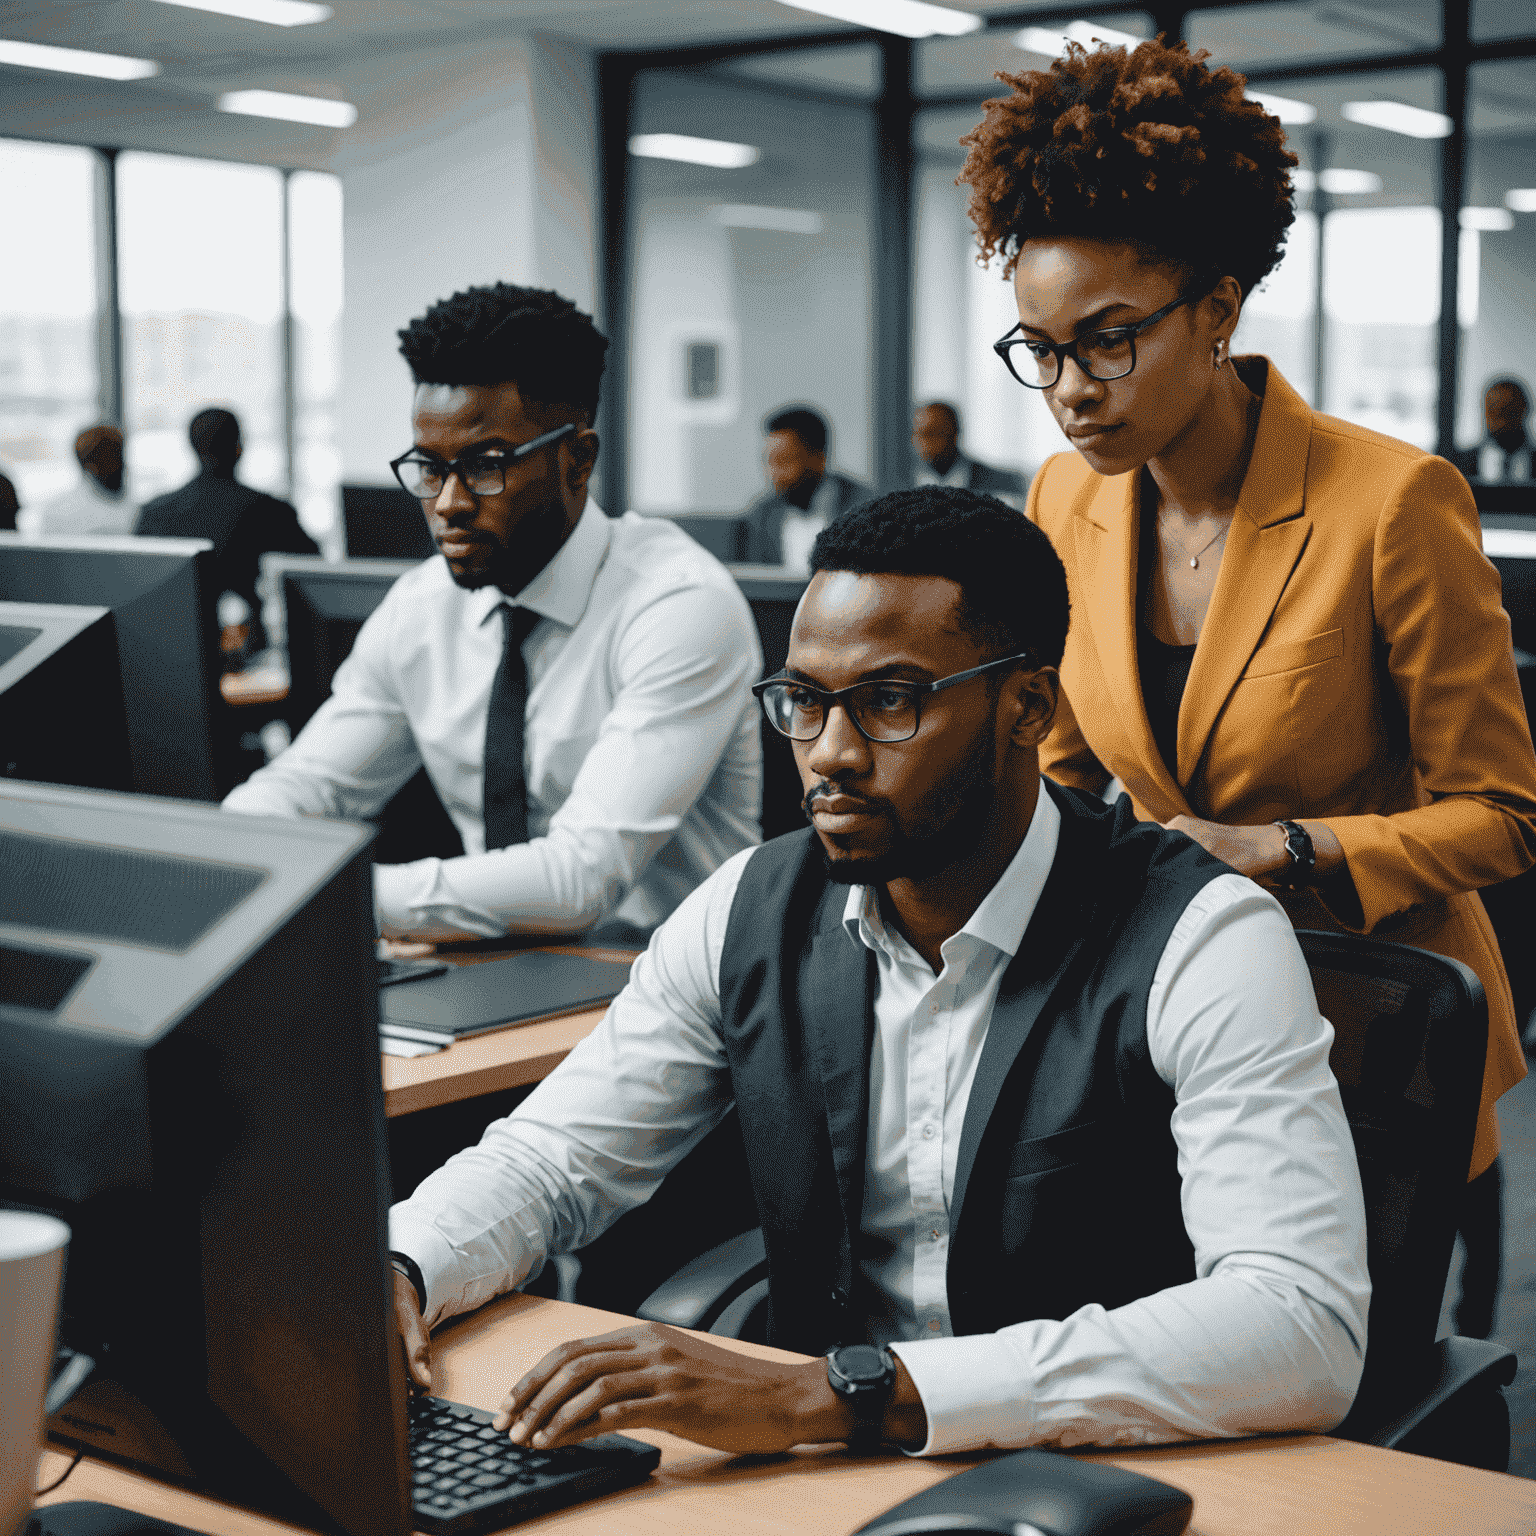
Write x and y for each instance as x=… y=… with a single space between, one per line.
x=1251 y=851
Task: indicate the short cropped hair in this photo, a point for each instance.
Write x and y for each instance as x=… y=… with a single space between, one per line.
x=1013 y=589
x=91 y=441
x=1506 y=381
x=1146 y=145
x=504 y=334
x=949 y=410
x=215 y=436
x=808 y=425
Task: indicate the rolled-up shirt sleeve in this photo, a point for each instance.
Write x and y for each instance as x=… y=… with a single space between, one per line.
x=1271 y=1334
x=596 y=1137
x=685 y=665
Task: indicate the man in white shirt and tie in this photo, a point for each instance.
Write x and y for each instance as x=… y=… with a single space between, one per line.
x=1035 y=1098
x=577 y=687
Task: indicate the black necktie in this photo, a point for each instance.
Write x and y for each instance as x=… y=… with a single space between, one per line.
x=506 y=793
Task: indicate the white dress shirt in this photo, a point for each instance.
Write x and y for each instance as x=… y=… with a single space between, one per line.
x=87 y=507
x=1496 y=464
x=1269 y=1337
x=642 y=757
x=958 y=475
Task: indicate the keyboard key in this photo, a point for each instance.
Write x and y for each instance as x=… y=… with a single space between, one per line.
x=490 y=1480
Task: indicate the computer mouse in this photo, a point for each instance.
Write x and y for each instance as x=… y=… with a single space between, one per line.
x=1040 y=1493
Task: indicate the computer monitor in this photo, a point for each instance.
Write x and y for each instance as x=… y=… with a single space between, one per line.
x=773 y=594
x=61 y=709
x=323 y=605
x=384 y=523
x=189 y=1076
x=162 y=603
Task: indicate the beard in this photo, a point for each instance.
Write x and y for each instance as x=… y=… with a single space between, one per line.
x=510 y=567
x=947 y=826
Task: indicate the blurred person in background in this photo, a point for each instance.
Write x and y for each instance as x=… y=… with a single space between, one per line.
x=97 y=502
x=242 y=522
x=1505 y=454
x=9 y=505
x=936 y=441
x=1287 y=643
x=783 y=524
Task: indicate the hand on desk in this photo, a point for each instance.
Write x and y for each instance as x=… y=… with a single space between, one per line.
x=656 y=1377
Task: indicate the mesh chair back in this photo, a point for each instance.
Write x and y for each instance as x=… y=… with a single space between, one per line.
x=1411 y=1033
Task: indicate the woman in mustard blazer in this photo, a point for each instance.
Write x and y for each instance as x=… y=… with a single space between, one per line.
x=1278 y=617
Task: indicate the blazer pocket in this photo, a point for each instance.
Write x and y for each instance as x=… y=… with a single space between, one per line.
x=1077 y=1144
x=1293 y=655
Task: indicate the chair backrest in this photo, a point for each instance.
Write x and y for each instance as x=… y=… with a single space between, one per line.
x=1410 y=1037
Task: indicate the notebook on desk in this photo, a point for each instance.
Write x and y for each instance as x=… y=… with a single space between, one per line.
x=474 y=999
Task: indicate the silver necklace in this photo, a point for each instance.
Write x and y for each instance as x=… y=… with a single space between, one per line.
x=1194 y=559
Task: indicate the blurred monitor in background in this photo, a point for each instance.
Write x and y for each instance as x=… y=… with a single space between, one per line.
x=242 y=523
x=97 y=502
x=805 y=496
x=936 y=442
x=1504 y=455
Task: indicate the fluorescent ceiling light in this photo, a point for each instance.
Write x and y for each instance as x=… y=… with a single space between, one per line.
x=1487 y=218
x=720 y=153
x=1338 y=182
x=277 y=13
x=794 y=221
x=1398 y=117
x=1521 y=199
x=1052 y=43
x=906 y=18
x=1291 y=113
x=75 y=61
x=291 y=109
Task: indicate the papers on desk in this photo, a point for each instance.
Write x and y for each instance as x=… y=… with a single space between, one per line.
x=392 y=1045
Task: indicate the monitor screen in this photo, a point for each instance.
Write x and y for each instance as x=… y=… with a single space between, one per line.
x=167 y=645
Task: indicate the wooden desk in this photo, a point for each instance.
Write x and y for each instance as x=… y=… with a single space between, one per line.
x=1299 y=1485
x=506 y=1058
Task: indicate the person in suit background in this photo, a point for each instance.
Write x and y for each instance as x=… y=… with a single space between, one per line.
x=242 y=522
x=1287 y=642
x=9 y=503
x=1505 y=454
x=96 y=503
x=936 y=441
x=783 y=524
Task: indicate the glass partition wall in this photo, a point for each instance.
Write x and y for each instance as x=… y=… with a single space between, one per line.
x=1403 y=118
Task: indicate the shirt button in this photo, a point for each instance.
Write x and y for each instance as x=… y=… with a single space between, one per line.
x=927 y=1133
x=934 y=1325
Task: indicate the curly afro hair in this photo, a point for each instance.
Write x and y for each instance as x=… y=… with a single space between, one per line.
x=1013 y=589
x=1148 y=146
x=505 y=334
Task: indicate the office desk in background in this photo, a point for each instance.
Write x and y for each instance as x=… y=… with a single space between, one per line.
x=1297 y=1485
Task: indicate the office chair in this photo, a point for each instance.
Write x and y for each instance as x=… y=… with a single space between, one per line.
x=1410 y=1035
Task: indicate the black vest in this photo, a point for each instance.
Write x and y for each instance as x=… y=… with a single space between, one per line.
x=1067 y=1185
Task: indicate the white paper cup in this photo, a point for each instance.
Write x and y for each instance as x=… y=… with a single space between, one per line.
x=31 y=1271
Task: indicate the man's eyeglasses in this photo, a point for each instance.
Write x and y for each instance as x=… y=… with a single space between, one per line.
x=1103 y=355
x=885 y=710
x=423 y=475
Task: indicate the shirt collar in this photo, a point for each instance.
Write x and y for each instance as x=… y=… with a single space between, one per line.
x=563 y=588
x=1005 y=911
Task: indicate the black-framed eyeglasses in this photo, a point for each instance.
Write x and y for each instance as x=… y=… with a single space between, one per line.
x=423 y=475
x=1103 y=355
x=886 y=709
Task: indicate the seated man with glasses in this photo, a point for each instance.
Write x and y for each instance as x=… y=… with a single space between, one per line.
x=577 y=687
x=1035 y=1097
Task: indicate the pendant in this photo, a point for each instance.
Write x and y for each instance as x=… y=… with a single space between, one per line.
x=1194 y=563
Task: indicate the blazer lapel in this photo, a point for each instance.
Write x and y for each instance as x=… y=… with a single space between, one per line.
x=837 y=1006
x=1107 y=545
x=1034 y=973
x=1269 y=532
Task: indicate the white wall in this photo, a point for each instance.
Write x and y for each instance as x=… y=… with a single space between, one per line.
x=468 y=165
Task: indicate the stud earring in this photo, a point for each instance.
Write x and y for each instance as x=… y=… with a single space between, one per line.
x=1219 y=353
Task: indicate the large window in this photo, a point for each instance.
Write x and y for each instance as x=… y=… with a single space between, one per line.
x=48 y=324
x=315 y=293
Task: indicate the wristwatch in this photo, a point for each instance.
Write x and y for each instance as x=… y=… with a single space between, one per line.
x=864 y=1376
x=404 y=1264
x=1303 y=856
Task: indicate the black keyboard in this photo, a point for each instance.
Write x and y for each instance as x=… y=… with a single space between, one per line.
x=467 y=1476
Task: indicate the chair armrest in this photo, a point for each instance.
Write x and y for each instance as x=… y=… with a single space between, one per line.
x=696 y=1295
x=1450 y=1372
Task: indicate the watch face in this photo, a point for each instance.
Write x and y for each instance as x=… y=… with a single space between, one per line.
x=860 y=1363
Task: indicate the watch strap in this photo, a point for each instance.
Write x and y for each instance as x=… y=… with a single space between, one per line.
x=404 y=1264
x=868 y=1402
x=1303 y=856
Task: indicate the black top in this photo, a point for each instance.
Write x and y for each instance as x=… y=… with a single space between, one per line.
x=1164 y=673
x=243 y=524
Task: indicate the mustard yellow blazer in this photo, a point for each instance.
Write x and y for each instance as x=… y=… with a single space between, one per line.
x=1355 y=668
